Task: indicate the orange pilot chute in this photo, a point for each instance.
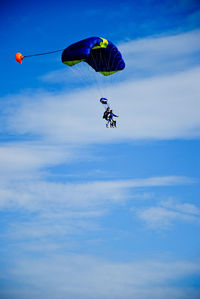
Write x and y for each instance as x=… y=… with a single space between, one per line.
x=19 y=57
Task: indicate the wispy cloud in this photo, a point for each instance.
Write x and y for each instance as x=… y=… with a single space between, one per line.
x=99 y=278
x=158 y=108
x=58 y=209
x=161 y=55
x=164 y=214
x=34 y=194
x=30 y=155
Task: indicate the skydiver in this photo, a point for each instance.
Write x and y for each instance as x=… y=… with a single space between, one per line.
x=106 y=113
x=111 y=120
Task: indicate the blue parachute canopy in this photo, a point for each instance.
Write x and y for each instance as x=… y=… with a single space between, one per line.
x=102 y=55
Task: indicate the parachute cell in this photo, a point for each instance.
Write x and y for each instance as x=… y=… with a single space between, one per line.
x=102 y=55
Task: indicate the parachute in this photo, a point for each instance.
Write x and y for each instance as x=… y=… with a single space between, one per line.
x=101 y=54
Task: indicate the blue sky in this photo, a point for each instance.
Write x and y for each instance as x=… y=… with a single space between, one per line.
x=90 y=212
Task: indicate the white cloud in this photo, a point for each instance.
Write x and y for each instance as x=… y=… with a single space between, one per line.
x=164 y=214
x=184 y=208
x=23 y=160
x=161 y=54
x=42 y=195
x=157 y=108
x=98 y=278
x=58 y=209
x=29 y=155
x=157 y=217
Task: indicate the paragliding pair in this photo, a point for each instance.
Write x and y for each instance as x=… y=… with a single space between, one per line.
x=109 y=117
x=108 y=114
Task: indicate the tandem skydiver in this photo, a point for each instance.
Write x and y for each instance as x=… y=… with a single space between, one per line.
x=108 y=114
x=110 y=119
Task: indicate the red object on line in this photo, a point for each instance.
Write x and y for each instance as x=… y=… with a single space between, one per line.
x=19 y=57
